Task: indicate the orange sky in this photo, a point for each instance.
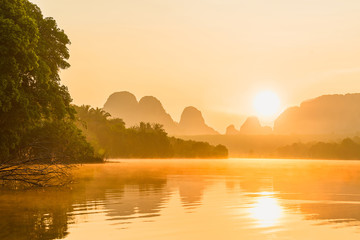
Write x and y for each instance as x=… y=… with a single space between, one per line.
x=212 y=54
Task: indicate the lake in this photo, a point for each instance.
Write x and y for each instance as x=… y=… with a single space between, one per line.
x=252 y=199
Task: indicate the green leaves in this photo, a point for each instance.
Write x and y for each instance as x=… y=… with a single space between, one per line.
x=32 y=52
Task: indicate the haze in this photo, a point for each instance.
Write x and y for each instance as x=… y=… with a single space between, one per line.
x=215 y=55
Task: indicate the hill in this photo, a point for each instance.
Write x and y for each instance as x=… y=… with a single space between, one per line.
x=328 y=114
x=124 y=105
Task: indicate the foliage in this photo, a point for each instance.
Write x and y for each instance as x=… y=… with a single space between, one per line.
x=32 y=51
x=110 y=136
x=62 y=140
x=37 y=132
x=193 y=149
x=46 y=155
x=346 y=149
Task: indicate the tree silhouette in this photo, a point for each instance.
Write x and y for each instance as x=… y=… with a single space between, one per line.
x=146 y=140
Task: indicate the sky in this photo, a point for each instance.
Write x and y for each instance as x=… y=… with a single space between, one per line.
x=216 y=55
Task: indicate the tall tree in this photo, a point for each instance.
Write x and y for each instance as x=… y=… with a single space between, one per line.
x=32 y=51
x=38 y=137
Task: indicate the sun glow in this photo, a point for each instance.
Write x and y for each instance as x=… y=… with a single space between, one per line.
x=266 y=104
x=266 y=211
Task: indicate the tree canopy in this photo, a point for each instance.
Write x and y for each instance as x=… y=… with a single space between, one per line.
x=109 y=136
x=32 y=52
x=346 y=149
x=38 y=137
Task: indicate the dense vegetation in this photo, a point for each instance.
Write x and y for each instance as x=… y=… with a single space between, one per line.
x=36 y=118
x=35 y=111
x=346 y=149
x=111 y=137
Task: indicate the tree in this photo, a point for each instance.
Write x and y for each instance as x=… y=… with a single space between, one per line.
x=37 y=131
x=32 y=51
x=146 y=140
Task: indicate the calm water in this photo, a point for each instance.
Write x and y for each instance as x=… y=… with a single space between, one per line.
x=193 y=199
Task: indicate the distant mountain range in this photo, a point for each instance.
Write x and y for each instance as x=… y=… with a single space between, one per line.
x=328 y=114
x=324 y=115
x=149 y=109
x=251 y=126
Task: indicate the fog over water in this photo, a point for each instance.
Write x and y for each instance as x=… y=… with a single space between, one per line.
x=193 y=199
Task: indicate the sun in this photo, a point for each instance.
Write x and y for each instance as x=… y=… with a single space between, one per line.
x=266 y=103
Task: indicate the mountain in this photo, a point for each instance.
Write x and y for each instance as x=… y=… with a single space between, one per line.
x=328 y=114
x=251 y=126
x=124 y=105
x=231 y=130
x=192 y=123
x=151 y=110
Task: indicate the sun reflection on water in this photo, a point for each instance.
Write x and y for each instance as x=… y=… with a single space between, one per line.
x=266 y=210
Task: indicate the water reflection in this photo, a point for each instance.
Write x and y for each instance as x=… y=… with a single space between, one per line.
x=32 y=215
x=191 y=200
x=337 y=212
x=266 y=210
x=191 y=190
x=134 y=202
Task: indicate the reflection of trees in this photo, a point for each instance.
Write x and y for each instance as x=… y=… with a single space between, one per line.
x=140 y=197
x=143 y=191
x=34 y=215
x=321 y=192
x=46 y=214
x=127 y=193
x=191 y=190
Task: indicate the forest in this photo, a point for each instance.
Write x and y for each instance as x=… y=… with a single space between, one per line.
x=111 y=138
x=348 y=149
x=38 y=135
